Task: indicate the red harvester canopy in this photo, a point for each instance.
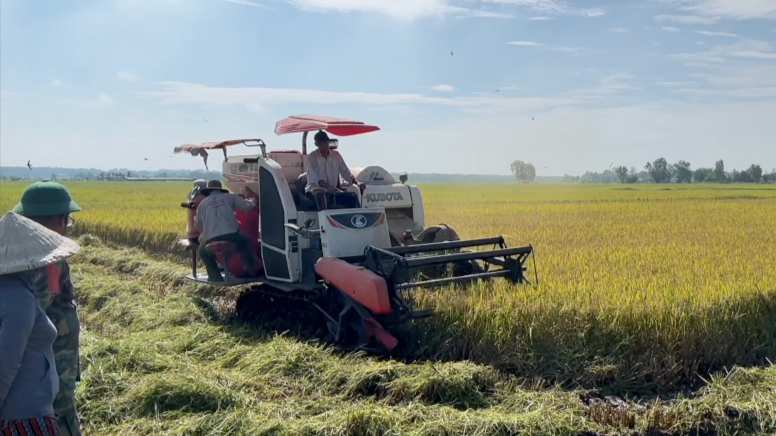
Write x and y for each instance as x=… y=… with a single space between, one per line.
x=335 y=126
x=188 y=148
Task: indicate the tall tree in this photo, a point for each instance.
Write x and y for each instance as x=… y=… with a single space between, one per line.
x=523 y=172
x=702 y=174
x=622 y=173
x=531 y=173
x=756 y=172
x=719 y=171
x=659 y=170
x=683 y=172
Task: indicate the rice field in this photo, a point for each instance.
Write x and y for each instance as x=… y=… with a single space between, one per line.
x=643 y=291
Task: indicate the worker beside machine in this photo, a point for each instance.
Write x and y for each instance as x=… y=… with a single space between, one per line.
x=324 y=169
x=216 y=219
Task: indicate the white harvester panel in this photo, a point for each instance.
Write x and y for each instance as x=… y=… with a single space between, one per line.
x=373 y=175
x=388 y=196
x=347 y=232
x=292 y=161
x=239 y=174
x=279 y=247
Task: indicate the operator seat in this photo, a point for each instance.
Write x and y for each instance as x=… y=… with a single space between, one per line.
x=306 y=204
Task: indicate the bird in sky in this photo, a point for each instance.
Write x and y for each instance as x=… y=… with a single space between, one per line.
x=145 y=158
x=451 y=53
x=29 y=165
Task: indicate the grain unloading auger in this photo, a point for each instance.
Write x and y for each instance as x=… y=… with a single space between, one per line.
x=348 y=267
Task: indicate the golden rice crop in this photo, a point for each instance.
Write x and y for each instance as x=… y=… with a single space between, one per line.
x=640 y=287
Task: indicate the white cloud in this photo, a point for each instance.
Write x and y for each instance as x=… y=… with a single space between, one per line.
x=414 y=9
x=104 y=101
x=56 y=82
x=698 y=59
x=740 y=76
x=742 y=48
x=676 y=83
x=444 y=88
x=619 y=30
x=614 y=82
x=546 y=19
x=182 y=93
x=101 y=102
x=687 y=19
x=671 y=29
x=525 y=43
x=552 y=7
x=247 y=3
x=753 y=54
x=488 y=14
x=745 y=81
x=399 y=9
x=761 y=92
x=709 y=33
x=733 y=9
x=575 y=51
x=127 y=76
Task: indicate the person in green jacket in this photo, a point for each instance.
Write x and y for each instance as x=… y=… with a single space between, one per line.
x=50 y=204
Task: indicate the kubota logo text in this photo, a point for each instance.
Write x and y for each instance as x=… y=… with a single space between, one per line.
x=390 y=196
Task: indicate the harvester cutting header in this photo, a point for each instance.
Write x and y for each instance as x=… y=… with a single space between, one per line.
x=349 y=253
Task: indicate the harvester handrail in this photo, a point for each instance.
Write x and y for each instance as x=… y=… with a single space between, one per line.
x=445 y=281
x=447 y=245
x=458 y=257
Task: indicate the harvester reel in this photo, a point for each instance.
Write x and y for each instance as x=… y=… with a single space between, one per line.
x=444 y=233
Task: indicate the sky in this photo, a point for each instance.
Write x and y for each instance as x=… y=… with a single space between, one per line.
x=456 y=86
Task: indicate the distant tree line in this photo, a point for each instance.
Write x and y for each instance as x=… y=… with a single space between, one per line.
x=92 y=174
x=660 y=171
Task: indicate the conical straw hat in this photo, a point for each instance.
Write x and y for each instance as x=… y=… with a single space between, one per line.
x=26 y=245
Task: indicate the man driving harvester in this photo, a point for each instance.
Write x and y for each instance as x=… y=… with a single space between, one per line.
x=324 y=168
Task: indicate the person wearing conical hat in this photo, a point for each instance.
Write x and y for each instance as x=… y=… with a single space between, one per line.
x=29 y=382
x=50 y=204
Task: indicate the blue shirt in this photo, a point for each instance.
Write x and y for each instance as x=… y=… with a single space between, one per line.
x=28 y=375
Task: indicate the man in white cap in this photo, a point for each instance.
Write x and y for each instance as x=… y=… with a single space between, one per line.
x=29 y=382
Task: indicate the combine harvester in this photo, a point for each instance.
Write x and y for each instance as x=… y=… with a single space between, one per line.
x=350 y=265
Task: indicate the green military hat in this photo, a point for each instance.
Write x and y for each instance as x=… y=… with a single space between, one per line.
x=46 y=199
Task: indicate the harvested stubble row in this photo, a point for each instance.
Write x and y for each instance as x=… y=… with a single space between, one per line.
x=164 y=357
